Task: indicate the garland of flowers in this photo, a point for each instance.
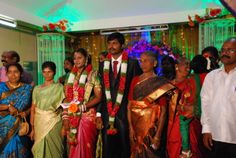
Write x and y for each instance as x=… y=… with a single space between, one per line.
x=61 y=25
x=75 y=89
x=210 y=14
x=113 y=111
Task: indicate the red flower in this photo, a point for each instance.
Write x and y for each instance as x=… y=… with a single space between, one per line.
x=190 y=23
x=63 y=28
x=45 y=28
x=69 y=93
x=74 y=121
x=112 y=131
x=109 y=107
x=89 y=68
x=61 y=22
x=122 y=84
x=106 y=80
x=81 y=91
x=74 y=69
x=199 y=19
x=51 y=26
x=215 y=12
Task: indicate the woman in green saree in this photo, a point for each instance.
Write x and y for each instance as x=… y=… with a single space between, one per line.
x=46 y=116
x=147 y=109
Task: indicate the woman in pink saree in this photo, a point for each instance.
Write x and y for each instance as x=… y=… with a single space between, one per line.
x=83 y=93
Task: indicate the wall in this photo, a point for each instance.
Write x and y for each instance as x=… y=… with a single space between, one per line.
x=23 y=43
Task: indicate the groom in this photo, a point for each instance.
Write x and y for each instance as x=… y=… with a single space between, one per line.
x=116 y=74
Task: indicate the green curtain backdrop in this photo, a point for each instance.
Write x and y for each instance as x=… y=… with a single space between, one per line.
x=50 y=47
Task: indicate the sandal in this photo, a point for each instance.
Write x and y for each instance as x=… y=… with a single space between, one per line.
x=186 y=154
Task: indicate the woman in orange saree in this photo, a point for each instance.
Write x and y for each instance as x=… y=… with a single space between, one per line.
x=147 y=109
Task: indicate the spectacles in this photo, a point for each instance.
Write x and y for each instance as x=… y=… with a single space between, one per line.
x=231 y=51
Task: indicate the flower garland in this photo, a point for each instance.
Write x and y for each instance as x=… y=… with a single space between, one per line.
x=113 y=111
x=75 y=89
x=61 y=25
x=210 y=14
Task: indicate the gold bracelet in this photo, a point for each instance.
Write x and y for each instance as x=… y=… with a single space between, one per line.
x=156 y=139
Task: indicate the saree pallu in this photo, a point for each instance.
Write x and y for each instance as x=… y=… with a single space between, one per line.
x=192 y=129
x=145 y=115
x=47 y=121
x=11 y=144
x=87 y=136
x=143 y=118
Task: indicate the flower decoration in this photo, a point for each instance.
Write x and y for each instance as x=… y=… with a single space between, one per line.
x=157 y=47
x=210 y=13
x=61 y=26
x=73 y=108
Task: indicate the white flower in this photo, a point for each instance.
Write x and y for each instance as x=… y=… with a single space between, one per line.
x=73 y=130
x=123 y=67
x=119 y=98
x=82 y=79
x=111 y=119
x=71 y=78
x=106 y=65
x=108 y=94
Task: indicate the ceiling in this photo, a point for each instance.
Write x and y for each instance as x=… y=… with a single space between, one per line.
x=101 y=14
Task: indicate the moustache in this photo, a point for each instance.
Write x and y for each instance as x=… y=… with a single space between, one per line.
x=225 y=56
x=111 y=49
x=4 y=61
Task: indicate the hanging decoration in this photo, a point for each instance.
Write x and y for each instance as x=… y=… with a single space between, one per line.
x=211 y=13
x=60 y=26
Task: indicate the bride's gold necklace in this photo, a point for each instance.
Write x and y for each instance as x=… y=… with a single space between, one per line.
x=14 y=86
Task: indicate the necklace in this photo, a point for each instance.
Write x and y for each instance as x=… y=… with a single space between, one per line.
x=14 y=86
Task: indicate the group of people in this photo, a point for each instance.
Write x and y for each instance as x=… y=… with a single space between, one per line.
x=123 y=110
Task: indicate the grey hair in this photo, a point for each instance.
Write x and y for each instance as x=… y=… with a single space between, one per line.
x=150 y=54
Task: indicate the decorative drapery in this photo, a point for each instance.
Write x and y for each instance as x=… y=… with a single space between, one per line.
x=50 y=47
x=215 y=32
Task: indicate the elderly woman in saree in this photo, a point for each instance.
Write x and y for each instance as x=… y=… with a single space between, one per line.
x=46 y=115
x=83 y=93
x=14 y=102
x=184 y=132
x=147 y=109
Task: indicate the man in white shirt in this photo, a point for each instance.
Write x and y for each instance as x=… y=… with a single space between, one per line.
x=218 y=97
